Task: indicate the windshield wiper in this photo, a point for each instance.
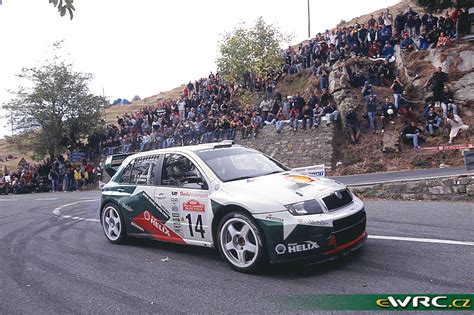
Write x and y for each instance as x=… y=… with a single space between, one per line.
x=274 y=172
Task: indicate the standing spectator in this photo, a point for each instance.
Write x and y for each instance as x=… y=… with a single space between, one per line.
x=265 y=106
x=397 y=89
x=182 y=108
x=323 y=72
x=387 y=18
x=353 y=125
x=371 y=108
x=456 y=125
x=280 y=121
x=437 y=80
x=326 y=98
x=433 y=121
x=385 y=72
x=400 y=21
x=389 y=111
x=255 y=122
x=412 y=133
x=406 y=108
x=53 y=177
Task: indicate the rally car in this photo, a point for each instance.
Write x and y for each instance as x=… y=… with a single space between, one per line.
x=251 y=207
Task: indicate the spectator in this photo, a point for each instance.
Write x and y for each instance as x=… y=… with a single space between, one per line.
x=412 y=133
x=307 y=117
x=331 y=114
x=457 y=125
x=265 y=106
x=443 y=41
x=407 y=43
x=397 y=89
x=352 y=125
x=447 y=102
x=294 y=114
x=371 y=109
x=385 y=72
x=433 y=121
x=280 y=121
x=437 y=80
x=389 y=112
x=406 y=108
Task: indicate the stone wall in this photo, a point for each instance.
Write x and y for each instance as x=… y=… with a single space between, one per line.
x=295 y=148
x=460 y=188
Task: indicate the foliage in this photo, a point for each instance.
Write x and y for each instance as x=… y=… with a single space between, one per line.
x=255 y=49
x=56 y=109
x=64 y=6
x=438 y=5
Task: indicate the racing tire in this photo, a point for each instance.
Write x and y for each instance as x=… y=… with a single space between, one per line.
x=240 y=243
x=113 y=224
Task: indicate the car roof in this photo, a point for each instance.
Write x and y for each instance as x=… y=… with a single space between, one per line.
x=187 y=149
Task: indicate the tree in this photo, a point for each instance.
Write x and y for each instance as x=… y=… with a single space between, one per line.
x=56 y=110
x=64 y=6
x=256 y=49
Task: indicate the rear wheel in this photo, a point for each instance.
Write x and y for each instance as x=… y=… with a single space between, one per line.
x=113 y=224
x=240 y=243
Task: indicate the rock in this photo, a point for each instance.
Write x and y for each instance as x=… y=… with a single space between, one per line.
x=391 y=141
x=467 y=62
x=470 y=190
x=441 y=190
x=463 y=88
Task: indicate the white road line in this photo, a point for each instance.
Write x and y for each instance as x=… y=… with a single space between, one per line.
x=420 y=240
x=8 y=199
x=45 y=199
x=57 y=211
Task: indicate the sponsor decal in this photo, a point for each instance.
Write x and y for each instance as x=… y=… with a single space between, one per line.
x=174 y=209
x=158 y=207
x=125 y=206
x=192 y=194
x=423 y=302
x=175 y=215
x=315 y=222
x=299 y=178
x=272 y=218
x=193 y=205
x=176 y=219
x=174 y=200
x=137 y=226
x=292 y=248
x=156 y=223
x=174 y=193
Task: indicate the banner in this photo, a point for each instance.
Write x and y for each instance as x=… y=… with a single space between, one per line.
x=449 y=147
x=315 y=170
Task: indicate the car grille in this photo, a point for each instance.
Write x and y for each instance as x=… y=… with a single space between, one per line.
x=332 y=202
x=349 y=228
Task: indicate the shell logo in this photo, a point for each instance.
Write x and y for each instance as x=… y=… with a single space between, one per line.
x=299 y=178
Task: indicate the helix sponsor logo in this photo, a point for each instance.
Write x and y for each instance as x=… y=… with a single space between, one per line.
x=421 y=302
x=156 y=223
x=292 y=248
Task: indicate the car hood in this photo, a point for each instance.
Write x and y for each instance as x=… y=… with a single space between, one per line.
x=283 y=188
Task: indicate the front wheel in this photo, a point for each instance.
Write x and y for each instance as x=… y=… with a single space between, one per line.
x=240 y=243
x=113 y=224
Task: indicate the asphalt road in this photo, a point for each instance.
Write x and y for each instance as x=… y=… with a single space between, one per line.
x=360 y=179
x=52 y=264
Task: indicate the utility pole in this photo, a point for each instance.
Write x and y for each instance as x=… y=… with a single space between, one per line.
x=309 y=22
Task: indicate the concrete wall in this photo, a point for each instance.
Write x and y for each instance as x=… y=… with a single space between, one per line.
x=295 y=148
x=450 y=188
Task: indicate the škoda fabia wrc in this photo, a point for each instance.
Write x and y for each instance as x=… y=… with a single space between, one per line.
x=251 y=207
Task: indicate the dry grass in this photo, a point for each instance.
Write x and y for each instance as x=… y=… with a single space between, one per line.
x=7 y=149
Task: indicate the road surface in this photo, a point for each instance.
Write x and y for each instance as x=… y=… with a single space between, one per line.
x=62 y=262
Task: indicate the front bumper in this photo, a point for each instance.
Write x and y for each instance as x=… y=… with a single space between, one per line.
x=311 y=240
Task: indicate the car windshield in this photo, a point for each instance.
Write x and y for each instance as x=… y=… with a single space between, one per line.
x=239 y=163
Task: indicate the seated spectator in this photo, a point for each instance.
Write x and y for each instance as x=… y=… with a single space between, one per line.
x=353 y=125
x=280 y=121
x=443 y=41
x=413 y=134
x=317 y=113
x=387 y=51
x=389 y=112
x=433 y=121
x=407 y=43
x=146 y=139
x=423 y=41
x=307 y=117
x=457 y=125
x=447 y=102
x=255 y=122
x=294 y=113
x=331 y=113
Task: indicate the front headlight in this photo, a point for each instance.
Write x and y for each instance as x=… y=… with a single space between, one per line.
x=305 y=207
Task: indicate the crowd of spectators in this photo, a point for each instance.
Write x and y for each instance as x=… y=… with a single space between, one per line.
x=55 y=175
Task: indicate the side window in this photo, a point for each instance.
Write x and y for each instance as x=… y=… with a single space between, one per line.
x=125 y=178
x=143 y=171
x=179 y=171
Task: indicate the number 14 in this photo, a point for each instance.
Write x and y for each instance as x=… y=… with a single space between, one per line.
x=197 y=228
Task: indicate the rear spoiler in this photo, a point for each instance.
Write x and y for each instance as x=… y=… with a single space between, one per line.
x=113 y=162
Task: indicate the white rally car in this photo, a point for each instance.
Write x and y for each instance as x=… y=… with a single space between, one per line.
x=251 y=207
